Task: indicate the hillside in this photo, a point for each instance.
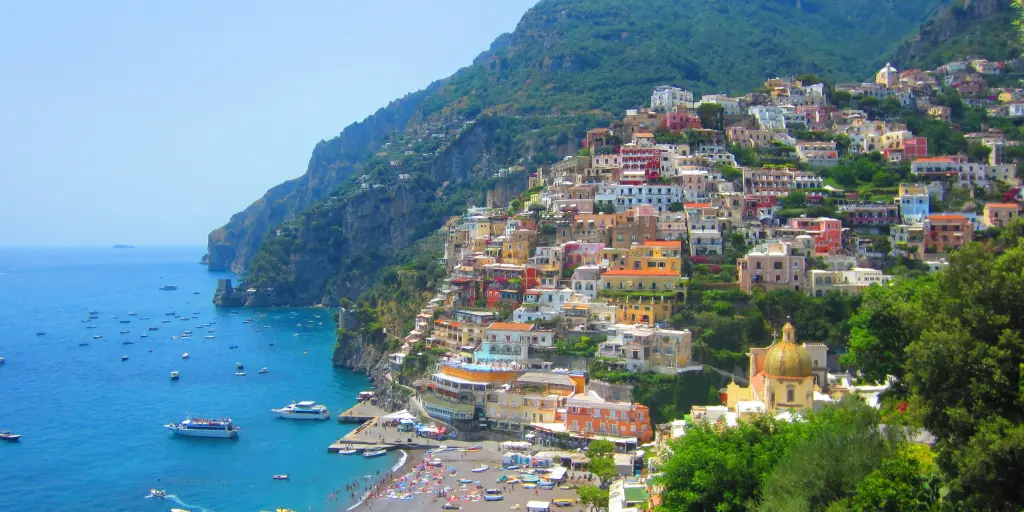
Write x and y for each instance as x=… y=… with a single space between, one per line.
x=571 y=57
x=978 y=28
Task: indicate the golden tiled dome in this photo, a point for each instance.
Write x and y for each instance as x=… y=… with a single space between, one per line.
x=787 y=359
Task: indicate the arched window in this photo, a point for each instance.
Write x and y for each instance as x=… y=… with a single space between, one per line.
x=790 y=395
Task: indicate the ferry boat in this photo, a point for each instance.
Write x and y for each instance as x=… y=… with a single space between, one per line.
x=202 y=427
x=308 y=410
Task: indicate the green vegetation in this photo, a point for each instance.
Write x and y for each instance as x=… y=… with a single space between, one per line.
x=963 y=29
x=584 y=346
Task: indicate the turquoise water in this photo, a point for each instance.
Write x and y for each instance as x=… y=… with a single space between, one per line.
x=92 y=424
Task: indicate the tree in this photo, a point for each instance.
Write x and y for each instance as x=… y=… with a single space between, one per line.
x=593 y=497
x=515 y=206
x=603 y=468
x=899 y=485
x=712 y=116
x=730 y=173
x=795 y=199
x=600 y=448
x=888 y=320
x=675 y=207
x=977 y=152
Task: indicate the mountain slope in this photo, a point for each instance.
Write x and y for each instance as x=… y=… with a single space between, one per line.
x=975 y=28
x=599 y=56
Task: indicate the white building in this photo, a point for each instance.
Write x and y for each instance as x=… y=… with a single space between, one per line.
x=730 y=106
x=625 y=197
x=666 y=97
x=845 y=282
x=586 y=280
x=768 y=118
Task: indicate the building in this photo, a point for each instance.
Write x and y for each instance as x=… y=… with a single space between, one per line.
x=457 y=390
x=730 y=106
x=645 y=349
x=511 y=341
x=535 y=397
x=826 y=232
x=666 y=98
x=779 y=182
x=818 y=154
x=640 y=280
x=907 y=240
x=776 y=265
x=586 y=280
x=768 y=118
x=871 y=214
x=947 y=232
x=1000 y=214
x=845 y=282
x=590 y=415
x=782 y=377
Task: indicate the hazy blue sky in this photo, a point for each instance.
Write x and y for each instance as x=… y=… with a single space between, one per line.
x=152 y=122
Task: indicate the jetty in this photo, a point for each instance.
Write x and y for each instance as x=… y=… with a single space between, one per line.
x=361 y=413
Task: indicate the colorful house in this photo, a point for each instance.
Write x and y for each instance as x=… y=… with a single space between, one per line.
x=589 y=414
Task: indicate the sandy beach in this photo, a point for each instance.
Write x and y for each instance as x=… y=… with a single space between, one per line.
x=415 y=486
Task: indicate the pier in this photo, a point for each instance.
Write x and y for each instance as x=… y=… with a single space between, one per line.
x=361 y=413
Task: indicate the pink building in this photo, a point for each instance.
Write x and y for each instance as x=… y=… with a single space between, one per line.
x=775 y=266
x=581 y=253
x=646 y=159
x=826 y=232
x=680 y=119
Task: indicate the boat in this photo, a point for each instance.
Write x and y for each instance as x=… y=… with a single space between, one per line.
x=157 y=493
x=263 y=370
x=240 y=374
x=143 y=335
x=165 y=321
x=174 y=375
x=450 y=506
x=185 y=355
x=346 y=452
x=154 y=328
x=83 y=344
x=195 y=293
x=209 y=337
x=125 y=332
x=247 y=321
x=493 y=495
x=374 y=453
x=465 y=481
x=2 y=360
x=126 y=321
x=40 y=334
x=144 y=318
x=90 y=327
x=171 y=313
x=308 y=410
x=232 y=346
x=480 y=469
x=98 y=336
x=94 y=312
x=124 y=357
x=240 y=366
x=203 y=427
x=502 y=479
x=168 y=287
x=128 y=342
x=280 y=477
x=8 y=436
x=212 y=330
x=132 y=313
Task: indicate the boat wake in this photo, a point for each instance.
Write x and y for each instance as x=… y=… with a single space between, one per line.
x=181 y=503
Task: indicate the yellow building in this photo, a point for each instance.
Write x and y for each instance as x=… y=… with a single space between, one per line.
x=781 y=377
x=640 y=280
x=643 y=257
x=643 y=310
x=516 y=249
x=533 y=398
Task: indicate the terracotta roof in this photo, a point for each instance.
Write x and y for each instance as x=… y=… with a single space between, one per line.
x=697 y=205
x=645 y=135
x=946 y=217
x=509 y=326
x=663 y=243
x=1002 y=205
x=447 y=322
x=944 y=159
x=651 y=273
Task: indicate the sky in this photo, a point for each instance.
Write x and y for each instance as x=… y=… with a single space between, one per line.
x=151 y=123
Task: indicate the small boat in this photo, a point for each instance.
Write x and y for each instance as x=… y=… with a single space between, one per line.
x=502 y=479
x=8 y=436
x=209 y=337
x=374 y=453
x=145 y=318
x=263 y=370
x=83 y=344
x=171 y=313
x=195 y=293
x=143 y=335
x=511 y=468
x=232 y=346
x=212 y=330
x=240 y=374
x=185 y=355
x=280 y=477
x=465 y=481
x=154 y=328
x=480 y=469
x=346 y=452
x=529 y=486
x=127 y=342
x=247 y=321
x=174 y=375
x=240 y=366
x=98 y=336
x=124 y=357
x=94 y=312
x=126 y=321
x=157 y=493
x=165 y=321
x=125 y=332
x=2 y=360
x=168 y=287
x=450 y=506
x=90 y=327
x=132 y=313
x=40 y=334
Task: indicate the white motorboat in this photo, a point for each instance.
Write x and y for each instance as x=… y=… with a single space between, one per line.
x=124 y=357
x=210 y=337
x=240 y=366
x=480 y=469
x=374 y=453
x=240 y=374
x=346 y=452
x=263 y=370
x=185 y=355
x=280 y=477
x=157 y=493
x=308 y=410
x=202 y=427
x=174 y=375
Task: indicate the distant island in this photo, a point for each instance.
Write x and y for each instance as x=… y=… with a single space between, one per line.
x=122 y=246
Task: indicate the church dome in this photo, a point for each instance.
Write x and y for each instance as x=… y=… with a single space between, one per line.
x=787 y=359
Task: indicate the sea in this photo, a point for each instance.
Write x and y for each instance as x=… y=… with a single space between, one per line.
x=92 y=424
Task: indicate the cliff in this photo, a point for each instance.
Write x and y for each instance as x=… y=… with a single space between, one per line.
x=364 y=353
x=966 y=28
x=593 y=56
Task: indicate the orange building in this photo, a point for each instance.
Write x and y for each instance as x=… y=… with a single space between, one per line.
x=945 y=232
x=589 y=414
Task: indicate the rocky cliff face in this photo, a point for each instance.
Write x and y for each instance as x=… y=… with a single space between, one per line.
x=966 y=28
x=357 y=353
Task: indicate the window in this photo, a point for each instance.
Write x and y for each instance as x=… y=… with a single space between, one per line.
x=597 y=412
x=790 y=395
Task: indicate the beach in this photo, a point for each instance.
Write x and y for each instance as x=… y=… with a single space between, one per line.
x=415 y=486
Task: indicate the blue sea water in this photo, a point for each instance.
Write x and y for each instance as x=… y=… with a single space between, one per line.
x=92 y=424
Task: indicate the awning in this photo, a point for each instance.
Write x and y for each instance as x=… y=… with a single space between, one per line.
x=400 y=415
